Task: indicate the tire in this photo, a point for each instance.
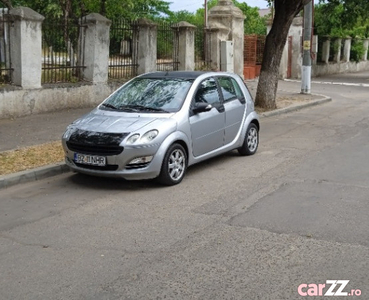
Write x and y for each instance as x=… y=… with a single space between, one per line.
x=251 y=142
x=174 y=165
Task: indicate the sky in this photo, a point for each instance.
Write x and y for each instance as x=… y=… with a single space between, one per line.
x=193 y=5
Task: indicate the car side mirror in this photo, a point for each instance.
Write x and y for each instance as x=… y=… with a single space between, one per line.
x=202 y=107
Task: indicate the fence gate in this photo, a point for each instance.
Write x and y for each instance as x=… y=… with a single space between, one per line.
x=253 y=55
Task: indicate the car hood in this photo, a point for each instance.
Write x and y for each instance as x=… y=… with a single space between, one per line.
x=125 y=122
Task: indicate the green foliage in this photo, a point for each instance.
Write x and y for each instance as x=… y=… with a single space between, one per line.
x=254 y=24
x=357 y=50
x=132 y=9
x=338 y=18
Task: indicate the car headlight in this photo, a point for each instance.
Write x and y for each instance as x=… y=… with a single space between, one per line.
x=133 y=138
x=68 y=132
x=149 y=136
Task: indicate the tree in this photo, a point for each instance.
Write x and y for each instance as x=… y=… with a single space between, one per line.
x=333 y=20
x=75 y=8
x=285 y=11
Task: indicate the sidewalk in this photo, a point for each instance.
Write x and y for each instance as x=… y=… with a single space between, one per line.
x=49 y=127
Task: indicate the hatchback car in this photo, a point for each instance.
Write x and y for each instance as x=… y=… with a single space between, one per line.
x=158 y=124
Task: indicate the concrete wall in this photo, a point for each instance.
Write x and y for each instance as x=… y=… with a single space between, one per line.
x=296 y=33
x=17 y=102
x=337 y=68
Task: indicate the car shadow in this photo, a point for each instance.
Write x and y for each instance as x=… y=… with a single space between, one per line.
x=106 y=183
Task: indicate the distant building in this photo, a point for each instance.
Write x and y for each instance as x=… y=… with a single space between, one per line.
x=264 y=12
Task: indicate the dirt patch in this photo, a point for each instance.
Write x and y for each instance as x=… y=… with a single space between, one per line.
x=30 y=157
x=287 y=100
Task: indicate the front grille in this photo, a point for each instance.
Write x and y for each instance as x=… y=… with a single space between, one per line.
x=97 y=168
x=95 y=149
x=99 y=143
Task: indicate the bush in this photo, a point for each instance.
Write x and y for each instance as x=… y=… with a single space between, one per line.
x=357 y=50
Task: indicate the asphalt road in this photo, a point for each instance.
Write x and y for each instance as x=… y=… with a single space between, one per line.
x=236 y=228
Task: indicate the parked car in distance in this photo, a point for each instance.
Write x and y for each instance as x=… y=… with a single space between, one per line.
x=158 y=124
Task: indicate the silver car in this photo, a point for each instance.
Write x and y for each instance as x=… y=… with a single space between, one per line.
x=158 y=124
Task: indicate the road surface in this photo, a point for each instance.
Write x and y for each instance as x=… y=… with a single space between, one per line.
x=277 y=225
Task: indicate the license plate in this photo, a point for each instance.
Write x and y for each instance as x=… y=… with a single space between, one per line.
x=93 y=160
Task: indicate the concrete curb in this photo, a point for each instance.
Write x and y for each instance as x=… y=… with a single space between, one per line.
x=33 y=175
x=297 y=107
x=60 y=168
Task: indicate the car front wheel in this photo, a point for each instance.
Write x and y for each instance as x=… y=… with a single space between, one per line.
x=174 y=165
x=251 y=142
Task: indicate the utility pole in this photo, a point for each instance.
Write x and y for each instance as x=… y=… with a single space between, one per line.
x=306 y=61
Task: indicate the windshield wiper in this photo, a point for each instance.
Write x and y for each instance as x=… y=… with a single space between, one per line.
x=109 y=106
x=137 y=107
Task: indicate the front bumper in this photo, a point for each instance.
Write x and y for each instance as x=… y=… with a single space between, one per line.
x=117 y=165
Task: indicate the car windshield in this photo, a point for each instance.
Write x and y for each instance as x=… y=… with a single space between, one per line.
x=150 y=95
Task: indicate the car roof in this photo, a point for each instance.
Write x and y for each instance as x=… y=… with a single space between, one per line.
x=175 y=74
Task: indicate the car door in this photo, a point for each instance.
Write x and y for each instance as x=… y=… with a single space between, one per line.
x=207 y=128
x=234 y=104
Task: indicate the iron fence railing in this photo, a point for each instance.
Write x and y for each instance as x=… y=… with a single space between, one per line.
x=6 y=70
x=260 y=49
x=62 y=50
x=123 y=62
x=202 y=50
x=167 y=48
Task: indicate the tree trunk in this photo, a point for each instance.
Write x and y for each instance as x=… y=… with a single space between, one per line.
x=103 y=7
x=285 y=11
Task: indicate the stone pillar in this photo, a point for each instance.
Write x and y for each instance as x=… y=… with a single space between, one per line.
x=337 y=50
x=184 y=37
x=315 y=49
x=145 y=41
x=326 y=49
x=26 y=47
x=366 y=46
x=347 y=49
x=213 y=38
x=96 y=50
x=229 y=21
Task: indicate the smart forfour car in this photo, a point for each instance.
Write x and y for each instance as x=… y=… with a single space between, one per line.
x=158 y=124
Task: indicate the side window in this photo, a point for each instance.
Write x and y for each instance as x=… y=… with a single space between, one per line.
x=228 y=87
x=208 y=92
x=237 y=89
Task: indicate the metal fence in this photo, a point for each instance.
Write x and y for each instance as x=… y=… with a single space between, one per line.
x=62 y=51
x=167 y=48
x=253 y=49
x=122 y=57
x=202 y=50
x=5 y=57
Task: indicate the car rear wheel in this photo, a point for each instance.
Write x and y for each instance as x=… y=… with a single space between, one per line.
x=174 y=165
x=251 y=142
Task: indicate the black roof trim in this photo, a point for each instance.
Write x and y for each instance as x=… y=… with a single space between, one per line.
x=174 y=74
